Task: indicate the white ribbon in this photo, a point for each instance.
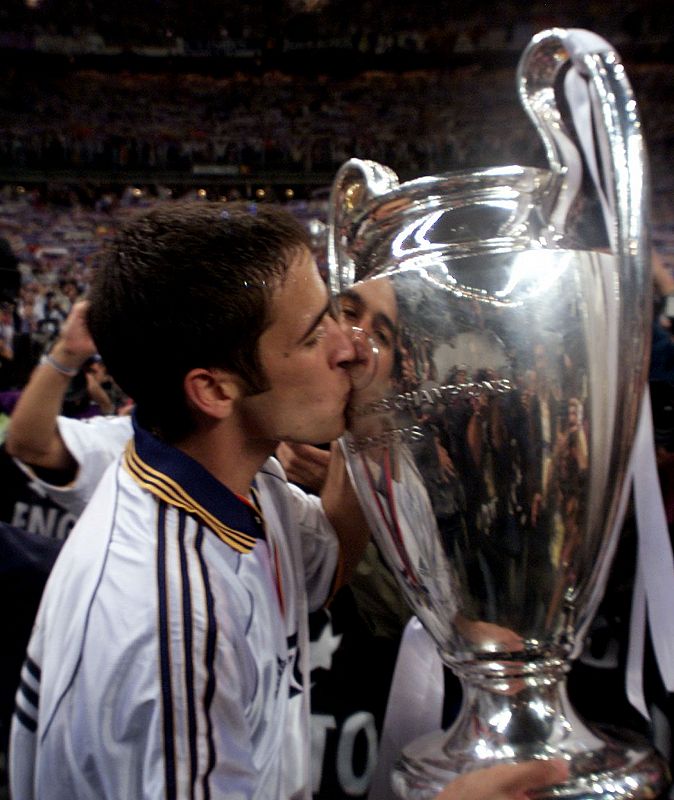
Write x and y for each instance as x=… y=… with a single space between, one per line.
x=654 y=584
x=414 y=703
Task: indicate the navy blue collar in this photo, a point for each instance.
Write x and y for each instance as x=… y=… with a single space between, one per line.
x=182 y=482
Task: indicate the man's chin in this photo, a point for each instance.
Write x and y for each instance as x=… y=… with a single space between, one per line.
x=337 y=431
x=341 y=423
x=358 y=403
x=323 y=437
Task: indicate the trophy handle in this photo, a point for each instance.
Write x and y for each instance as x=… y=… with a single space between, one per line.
x=356 y=183
x=537 y=74
x=605 y=120
x=603 y=112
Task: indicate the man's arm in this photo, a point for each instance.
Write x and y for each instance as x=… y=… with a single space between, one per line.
x=342 y=508
x=33 y=435
x=324 y=472
x=506 y=781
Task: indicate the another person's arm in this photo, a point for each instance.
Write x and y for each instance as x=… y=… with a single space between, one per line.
x=75 y=452
x=344 y=511
x=33 y=435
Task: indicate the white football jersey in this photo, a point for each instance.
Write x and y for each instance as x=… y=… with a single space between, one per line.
x=169 y=656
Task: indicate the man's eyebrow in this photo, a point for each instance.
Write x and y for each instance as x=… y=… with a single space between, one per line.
x=354 y=297
x=383 y=319
x=315 y=322
x=380 y=317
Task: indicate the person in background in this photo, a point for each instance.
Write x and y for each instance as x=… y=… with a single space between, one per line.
x=10 y=283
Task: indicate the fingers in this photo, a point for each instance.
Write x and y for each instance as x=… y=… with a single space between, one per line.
x=506 y=781
x=536 y=774
x=77 y=318
x=312 y=454
x=304 y=464
x=304 y=454
x=75 y=335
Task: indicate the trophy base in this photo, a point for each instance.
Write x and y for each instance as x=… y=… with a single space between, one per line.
x=619 y=766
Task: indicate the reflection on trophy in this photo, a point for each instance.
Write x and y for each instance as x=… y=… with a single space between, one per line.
x=490 y=446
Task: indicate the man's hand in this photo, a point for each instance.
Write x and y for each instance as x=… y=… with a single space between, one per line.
x=74 y=344
x=506 y=781
x=304 y=464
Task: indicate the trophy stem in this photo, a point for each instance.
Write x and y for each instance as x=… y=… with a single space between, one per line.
x=514 y=718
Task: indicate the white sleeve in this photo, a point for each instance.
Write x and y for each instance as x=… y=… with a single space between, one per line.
x=94 y=444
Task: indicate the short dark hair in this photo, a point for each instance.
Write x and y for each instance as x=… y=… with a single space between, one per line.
x=186 y=286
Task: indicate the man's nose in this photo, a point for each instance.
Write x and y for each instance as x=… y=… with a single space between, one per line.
x=363 y=365
x=344 y=351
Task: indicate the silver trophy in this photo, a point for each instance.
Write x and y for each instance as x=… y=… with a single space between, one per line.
x=489 y=439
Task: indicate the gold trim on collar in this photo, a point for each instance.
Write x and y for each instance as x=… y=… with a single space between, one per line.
x=173 y=493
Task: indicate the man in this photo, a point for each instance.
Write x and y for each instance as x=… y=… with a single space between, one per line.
x=169 y=655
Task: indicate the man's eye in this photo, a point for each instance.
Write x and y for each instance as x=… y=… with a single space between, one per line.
x=383 y=338
x=349 y=313
x=315 y=337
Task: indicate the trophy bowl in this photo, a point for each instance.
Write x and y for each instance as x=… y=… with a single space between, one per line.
x=490 y=445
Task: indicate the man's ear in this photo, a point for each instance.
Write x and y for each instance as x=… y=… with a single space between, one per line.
x=212 y=391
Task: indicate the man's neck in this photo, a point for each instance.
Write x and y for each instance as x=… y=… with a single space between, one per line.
x=230 y=458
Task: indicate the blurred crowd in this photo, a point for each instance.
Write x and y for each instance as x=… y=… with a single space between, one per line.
x=416 y=122
x=48 y=249
x=370 y=26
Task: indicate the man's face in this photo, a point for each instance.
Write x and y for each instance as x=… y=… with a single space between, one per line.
x=371 y=306
x=305 y=355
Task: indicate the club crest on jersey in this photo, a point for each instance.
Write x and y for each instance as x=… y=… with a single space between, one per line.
x=292 y=663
